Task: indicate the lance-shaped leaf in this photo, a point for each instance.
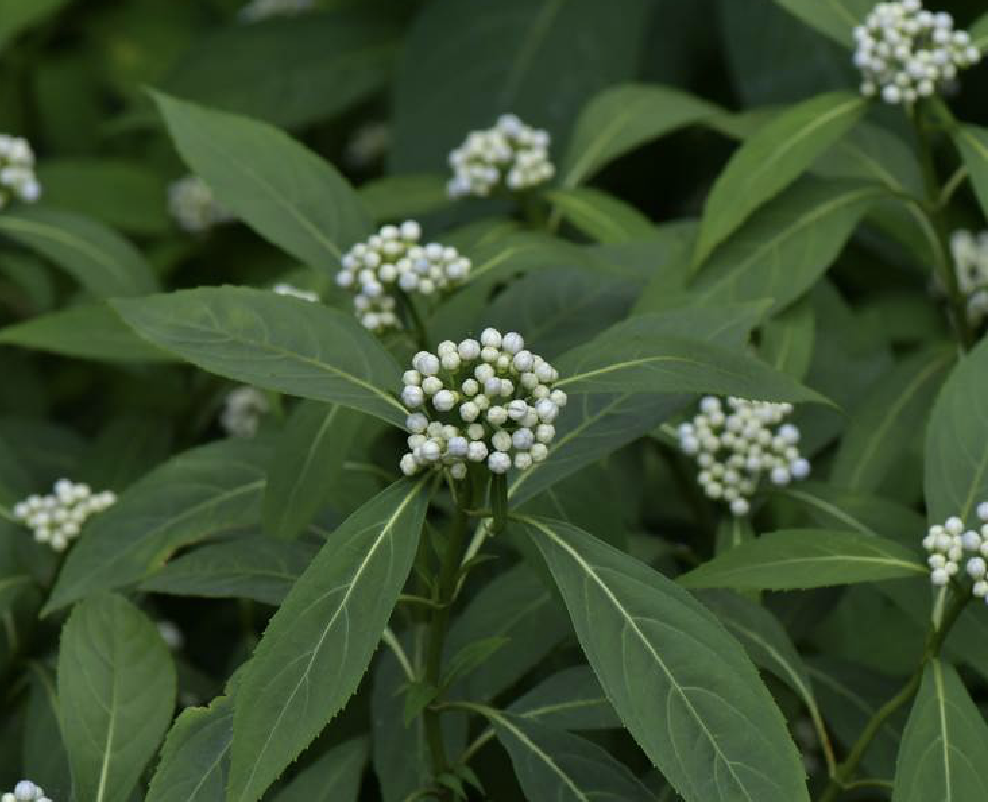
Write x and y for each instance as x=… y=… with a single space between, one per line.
x=772 y=158
x=637 y=361
x=956 y=467
x=837 y=508
x=306 y=463
x=275 y=185
x=87 y=331
x=319 y=643
x=945 y=744
x=682 y=686
x=116 y=691
x=792 y=559
x=93 y=254
x=195 y=759
x=835 y=18
x=203 y=492
x=972 y=142
x=569 y=700
x=334 y=777
x=626 y=116
x=274 y=342
x=554 y=764
x=600 y=216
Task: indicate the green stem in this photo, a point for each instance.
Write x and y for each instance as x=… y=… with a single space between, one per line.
x=499 y=502
x=448 y=574
x=934 y=641
x=934 y=211
x=412 y=318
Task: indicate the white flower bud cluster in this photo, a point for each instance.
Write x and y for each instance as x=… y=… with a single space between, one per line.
x=17 y=179
x=25 y=791
x=393 y=257
x=243 y=410
x=971 y=267
x=489 y=401
x=949 y=543
x=905 y=52
x=737 y=446
x=193 y=206
x=58 y=517
x=511 y=154
x=294 y=292
x=262 y=9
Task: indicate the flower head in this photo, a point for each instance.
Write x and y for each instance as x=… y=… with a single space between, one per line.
x=58 y=517
x=905 y=52
x=17 y=179
x=294 y=292
x=262 y=9
x=394 y=258
x=489 y=401
x=950 y=543
x=25 y=791
x=193 y=206
x=511 y=154
x=737 y=446
x=243 y=410
x=970 y=254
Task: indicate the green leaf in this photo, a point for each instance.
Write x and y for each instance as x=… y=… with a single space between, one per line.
x=328 y=626
x=516 y=606
x=553 y=764
x=333 y=777
x=835 y=18
x=195 y=758
x=521 y=52
x=279 y=70
x=838 y=508
x=124 y=194
x=116 y=691
x=885 y=423
x=199 y=493
x=972 y=142
x=89 y=331
x=945 y=743
x=806 y=558
x=784 y=248
x=956 y=466
x=628 y=358
x=306 y=464
x=786 y=341
x=682 y=686
x=253 y=567
x=43 y=749
x=771 y=159
x=600 y=216
x=273 y=342
x=569 y=700
x=93 y=254
x=398 y=197
x=624 y=117
x=593 y=426
x=275 y=185
x=19 y=15
x=979 y=32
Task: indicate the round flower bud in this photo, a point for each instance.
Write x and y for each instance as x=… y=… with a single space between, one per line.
x=444 y=400
x=499 y=462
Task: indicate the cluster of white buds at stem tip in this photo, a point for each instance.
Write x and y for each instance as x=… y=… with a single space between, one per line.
x=971 y=268
x=294 y=292
x=262 y=9
x=58 y=517
x=243 y=410
x=906 y=53
x=193 y=205
x=489 y=401
x=25 y=791
x=949 y=543
x=393 y=258
x=737 y=446
x=511 y=154
x=17 y=179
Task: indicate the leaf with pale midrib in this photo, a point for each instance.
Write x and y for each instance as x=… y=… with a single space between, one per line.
x=944 y=747
x=275 y=342
x=682 y=686
x=328 y=626
x=116 y=692
x=792 y=559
